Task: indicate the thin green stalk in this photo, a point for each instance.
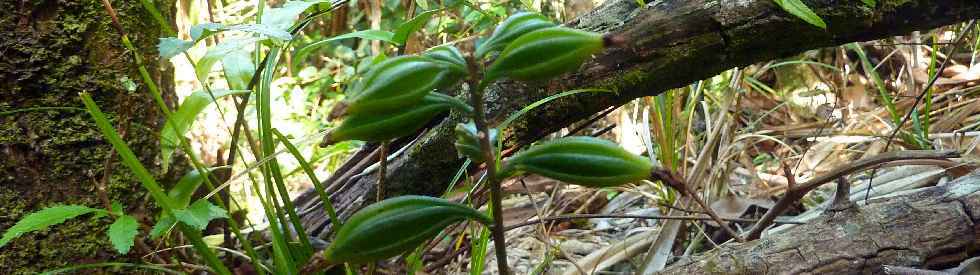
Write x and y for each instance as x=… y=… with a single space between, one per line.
x=478 y=251
x=882 y=91
x=155 y=13
x=149 y=183
x=273 y=177
x=155 y=92
x=327 y=204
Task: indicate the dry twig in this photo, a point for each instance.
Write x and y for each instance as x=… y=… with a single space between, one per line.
x=795 y=193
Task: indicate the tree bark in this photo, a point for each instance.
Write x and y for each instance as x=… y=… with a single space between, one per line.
x=51 y=51
x=669 y=44
x=931 y=228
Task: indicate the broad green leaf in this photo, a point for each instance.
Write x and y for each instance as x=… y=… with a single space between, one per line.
x=263 y=29
x=199 y=214
x=116 y=208
x=797 y=8
x=181 y=121
x=122 y=232
x=406 y=29
x=171 y=46
x=380 y=35
x=284 y=16
x=42 y=219
x=219 y=52
x=870 y=3
x=201 y=31
x=187 y=185
x=238 y=68
x=163 y=225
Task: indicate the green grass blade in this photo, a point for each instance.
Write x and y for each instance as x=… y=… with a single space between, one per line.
x=149 y=183
x=478 y=251
x=510 y=119
x=882 y=91
x=327 y=204
x=271 y=175
x=127 y=156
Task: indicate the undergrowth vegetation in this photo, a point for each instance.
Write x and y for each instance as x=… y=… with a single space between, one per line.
x=275 y=99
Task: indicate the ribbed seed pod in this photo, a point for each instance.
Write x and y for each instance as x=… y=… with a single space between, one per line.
x=396 y=83
x=511 y=28
x=394 y=226
x=545 y=53
x=450 y=55
x=384 y=126
x=468 y=142
x=586 y=161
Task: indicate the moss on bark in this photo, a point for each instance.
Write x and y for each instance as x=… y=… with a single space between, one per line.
x=52 y=50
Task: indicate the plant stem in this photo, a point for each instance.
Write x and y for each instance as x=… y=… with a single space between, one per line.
x=477 y=88
x=383 y=166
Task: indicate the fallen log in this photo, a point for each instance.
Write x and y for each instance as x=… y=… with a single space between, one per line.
x=927 y=228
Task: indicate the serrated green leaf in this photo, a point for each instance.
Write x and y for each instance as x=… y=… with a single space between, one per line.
x=181 y=192
x=122 y=232
x=43 y=219
x=171 y=46
x=219 y=52
x=181 y=121
x=199 y=214
x=116 y=208
x=797 y=8
x=163 y=225
x=406 y=29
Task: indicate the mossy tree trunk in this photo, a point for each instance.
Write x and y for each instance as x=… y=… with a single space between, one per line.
x=50 y=51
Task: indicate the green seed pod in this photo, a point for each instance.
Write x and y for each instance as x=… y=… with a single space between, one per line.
x=397 y=83
x=545 y=53
x=468 y=142
x=513 y=27
x=586 y=161
x=450 y=55
x=394 y=226
x=387 y=125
